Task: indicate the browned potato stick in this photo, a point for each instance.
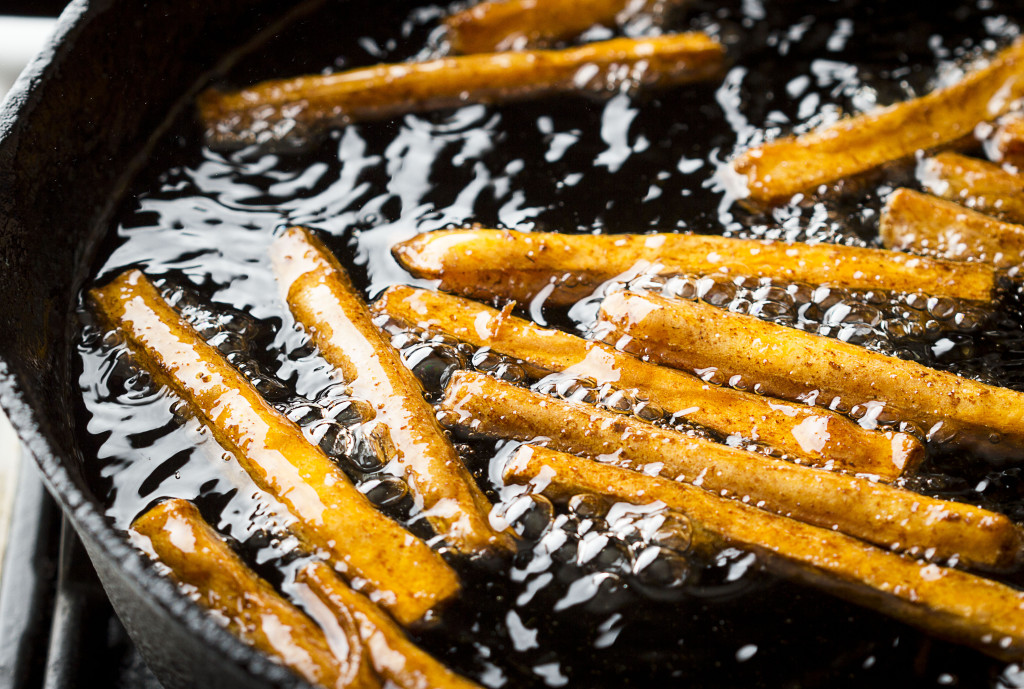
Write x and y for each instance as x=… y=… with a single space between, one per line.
x=267 y=110
x=958 y=606
x=322 y=299
x=930 y=225
x=396 y=569
x=876 y=512
x=975 y=183
x=794 y=365
x=176 y=535
x=1009 y=138
x=395 y=658
x=778 y=170
x=567 y=267
x=497 y=25
x=805 y=433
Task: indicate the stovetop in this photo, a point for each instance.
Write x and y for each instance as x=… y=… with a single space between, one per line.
x=57 y=629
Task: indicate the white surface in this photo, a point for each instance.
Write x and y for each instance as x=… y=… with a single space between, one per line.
x=20 y=39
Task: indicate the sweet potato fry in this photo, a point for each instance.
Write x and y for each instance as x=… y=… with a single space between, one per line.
x=879 y=513
x=930 y=225
x=795 y=365
x=778 y=170
x=395 y=658
x=497 y=25
x=566 y=267
x=175 y=534
x=302 y=106
x=392 y=566
x=958 y=606
x=975 y=183
x=815 y=436
x=323 y=300
x=1008 y=139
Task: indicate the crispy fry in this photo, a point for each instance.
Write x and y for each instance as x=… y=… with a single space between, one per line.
x=776 y=171
x=977 y=184
x=1008 y=139
x=956 y=605
x=395 y=658
x=323 y=300
x=394 y=568
x=497 y=25
x=816 y=436
x=794 y=365
x=879 y=513
x=930 y=225
x=301 y=106
x=565 y=267
x=175 y=534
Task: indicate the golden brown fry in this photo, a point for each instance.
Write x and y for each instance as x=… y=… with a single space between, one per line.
x=977 y=184
x=497 y=25
x=795 y=365
x=563 y=268
x=879 y=513
x=395 y=658
x=1008 y=139
x=805 y=433
x=777 y=170
x=946 y=602
x=323 y=300
x=395 y=568
x=272 y=110
x=176 y=535
x=930 y=225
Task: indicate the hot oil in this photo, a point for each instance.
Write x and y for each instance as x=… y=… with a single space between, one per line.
x=581 y=604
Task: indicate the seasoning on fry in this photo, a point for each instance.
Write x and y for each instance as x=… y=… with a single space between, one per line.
x=977 y=184
x=176 y=535
x=394 y=657
x=882 y=514
x=396 y=569
x=497 y=25
x=322 y=299
x=520 y=265
x=929 y=225
x=778 y=170
x=795 y=365
x=956 y=605
x=812 y=435
x=303 y=106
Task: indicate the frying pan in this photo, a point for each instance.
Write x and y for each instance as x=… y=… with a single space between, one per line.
x=73 y=131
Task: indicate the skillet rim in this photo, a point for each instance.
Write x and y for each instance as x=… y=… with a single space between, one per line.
x=109 y=550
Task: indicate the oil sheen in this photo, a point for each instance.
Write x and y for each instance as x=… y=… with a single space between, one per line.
x=595 y=597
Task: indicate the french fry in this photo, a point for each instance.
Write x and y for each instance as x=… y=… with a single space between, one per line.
x=566 y=267
x=322 y=299
x=975 y=183
x=497 y=25
x=395 y=658
x=396 y=569
x=876 y=512
x=175 y=534
x=958 y=606
x=804 y=433
x=930 y=225
x=795 y=365
x=301 y=106
x=778 y=170
x=1008 y=139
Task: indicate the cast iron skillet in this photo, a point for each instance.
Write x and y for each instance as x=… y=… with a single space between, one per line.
x=73 y=131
